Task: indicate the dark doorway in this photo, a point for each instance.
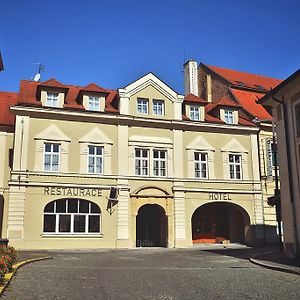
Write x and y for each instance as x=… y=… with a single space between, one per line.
x=151 y=226
x=217 y=222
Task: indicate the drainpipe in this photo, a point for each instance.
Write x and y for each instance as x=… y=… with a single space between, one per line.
x=288 y=150
x=277 y=190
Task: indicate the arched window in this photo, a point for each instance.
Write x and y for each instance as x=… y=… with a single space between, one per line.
x=72 y=216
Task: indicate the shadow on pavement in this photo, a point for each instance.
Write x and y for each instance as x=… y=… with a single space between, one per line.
x=270 y=254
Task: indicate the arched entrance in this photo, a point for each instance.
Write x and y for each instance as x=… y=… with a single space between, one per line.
x=151 y=226
x=218 y=222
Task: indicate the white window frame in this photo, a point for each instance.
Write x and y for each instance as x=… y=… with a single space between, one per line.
x=158 y=107
x=52 y=154
x=195 y=112
x=143 y=106
x=139 y=171
x=161 y=171
x=201 y=165
x=95 y=156
x=228 y=116
x=93 y=103
x=72 y=215
x=52 y=99
x=234 y=166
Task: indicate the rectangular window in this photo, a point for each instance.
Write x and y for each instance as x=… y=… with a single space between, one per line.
x=95 y=159
x=52 y=99
x=228 y=116
x=195 y=113
x=160 y=163
x=51 y=157
x=158 y=107
x=201 y=165
x=235 y=166
x=142 y=106
x=270 y=155
x=141 y=162
x=94 y=103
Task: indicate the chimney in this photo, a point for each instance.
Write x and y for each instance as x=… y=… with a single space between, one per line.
x=191 y=77
x=208 y=86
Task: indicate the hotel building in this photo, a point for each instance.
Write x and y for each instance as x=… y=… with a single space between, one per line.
x=245 y=89
x=140 y=166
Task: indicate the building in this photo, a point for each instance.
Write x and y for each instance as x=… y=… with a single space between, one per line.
x=6 y=146
x=285 y=102
x=214 y=83
x=138 y=166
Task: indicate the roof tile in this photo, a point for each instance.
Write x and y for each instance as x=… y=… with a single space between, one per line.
x=252 y=81
x=7 y=99
x=249 y=104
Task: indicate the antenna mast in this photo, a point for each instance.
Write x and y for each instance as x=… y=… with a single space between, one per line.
x=37 y=76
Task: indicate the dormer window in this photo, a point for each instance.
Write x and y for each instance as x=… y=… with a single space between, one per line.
x=142 y=106
x=158 y=107
x=52 y=99
x=228 y=117
x=94 y=103
x=194 y=113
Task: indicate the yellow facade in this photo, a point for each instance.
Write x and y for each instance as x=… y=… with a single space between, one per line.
x=174 y=196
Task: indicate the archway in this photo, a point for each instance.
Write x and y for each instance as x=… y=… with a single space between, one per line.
x=151 y=226
x=218 y=222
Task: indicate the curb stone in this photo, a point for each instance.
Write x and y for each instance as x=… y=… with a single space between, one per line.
x=256 y=260
x=9 y=276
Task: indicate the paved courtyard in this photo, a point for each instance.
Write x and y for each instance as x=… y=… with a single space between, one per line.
x=151 y=274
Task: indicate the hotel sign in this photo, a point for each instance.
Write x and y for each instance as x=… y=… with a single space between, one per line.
x=219 y=196
x=80 y=192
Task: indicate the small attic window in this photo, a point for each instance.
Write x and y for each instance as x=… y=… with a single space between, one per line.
x=52 y=99
x=228 y=116
x=240 y=83
x=260 y=87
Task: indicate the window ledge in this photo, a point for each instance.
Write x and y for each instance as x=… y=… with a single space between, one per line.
x=57 y=235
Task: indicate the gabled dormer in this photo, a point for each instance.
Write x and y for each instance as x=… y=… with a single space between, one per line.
x=92 y=97
x=194 y=107
x=52 y=93
x=226 y=110
x=149 y=97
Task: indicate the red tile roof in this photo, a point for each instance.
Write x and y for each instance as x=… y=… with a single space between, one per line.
x=246 y=122
x=194 y=99
x=225 y=101
x=249 y=104
x=253 y=81
x=94 y=88
x=7 y=99
x=53 y=83
x=29 y=94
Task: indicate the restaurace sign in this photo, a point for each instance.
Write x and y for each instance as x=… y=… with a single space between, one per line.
x=61 y=191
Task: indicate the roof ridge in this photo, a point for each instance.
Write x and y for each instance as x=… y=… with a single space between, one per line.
x=244 y=72
x=6 y=92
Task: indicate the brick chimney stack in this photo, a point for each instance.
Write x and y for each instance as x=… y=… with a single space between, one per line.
x=190 y=69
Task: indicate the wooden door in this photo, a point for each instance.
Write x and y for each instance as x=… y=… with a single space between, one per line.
x=203 y=226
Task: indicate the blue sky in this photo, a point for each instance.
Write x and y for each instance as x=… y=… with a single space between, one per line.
x=112 y=43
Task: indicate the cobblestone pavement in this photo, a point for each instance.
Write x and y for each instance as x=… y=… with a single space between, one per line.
x=197 y=273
